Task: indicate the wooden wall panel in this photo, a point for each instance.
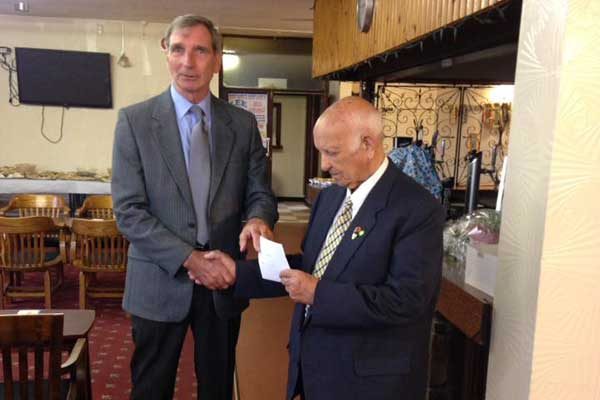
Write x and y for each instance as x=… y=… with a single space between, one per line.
x=338 y=44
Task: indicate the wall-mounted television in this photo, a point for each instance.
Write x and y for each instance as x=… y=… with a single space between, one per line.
x=63 y=78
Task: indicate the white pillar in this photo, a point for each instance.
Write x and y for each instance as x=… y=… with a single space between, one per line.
x=546 y=323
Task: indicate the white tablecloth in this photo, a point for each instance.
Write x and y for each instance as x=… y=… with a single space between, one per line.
x=13 y=186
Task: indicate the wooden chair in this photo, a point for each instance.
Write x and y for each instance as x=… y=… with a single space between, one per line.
x=97 y=246
x=37 y=335
x=30 y=205
x=99 y=207
x=23 y=250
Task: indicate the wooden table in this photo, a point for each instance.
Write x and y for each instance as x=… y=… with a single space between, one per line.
x=77 y=323
x=76 y=189
x=59 y=186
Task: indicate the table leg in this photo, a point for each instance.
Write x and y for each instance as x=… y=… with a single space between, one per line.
x=89 y=373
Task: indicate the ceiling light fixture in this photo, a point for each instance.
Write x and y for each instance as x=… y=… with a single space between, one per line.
x=230 y=61
x=22 y=7
x=123 y=60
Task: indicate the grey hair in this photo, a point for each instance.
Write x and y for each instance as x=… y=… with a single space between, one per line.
x=188 y=21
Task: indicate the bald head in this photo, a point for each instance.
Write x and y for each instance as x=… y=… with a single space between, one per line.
x=357 y=114
x=349 y=137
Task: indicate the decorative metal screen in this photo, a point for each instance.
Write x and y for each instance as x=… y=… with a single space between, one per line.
x=454 y=119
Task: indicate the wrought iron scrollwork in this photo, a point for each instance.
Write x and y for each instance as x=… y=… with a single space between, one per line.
x=453 y=120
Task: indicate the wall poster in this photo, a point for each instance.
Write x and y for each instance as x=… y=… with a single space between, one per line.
x=256 y=103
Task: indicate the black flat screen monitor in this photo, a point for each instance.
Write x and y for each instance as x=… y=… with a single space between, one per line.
x=64 y=78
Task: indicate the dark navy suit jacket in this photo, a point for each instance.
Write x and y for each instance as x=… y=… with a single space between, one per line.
x=367 y=334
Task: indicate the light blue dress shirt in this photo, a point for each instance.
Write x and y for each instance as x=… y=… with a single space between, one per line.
x=187 y=120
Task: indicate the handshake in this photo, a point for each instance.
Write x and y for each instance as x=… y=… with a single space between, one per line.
x=216 y=271
x=211 y=269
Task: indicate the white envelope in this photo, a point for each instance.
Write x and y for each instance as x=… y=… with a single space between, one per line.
x=271 y=259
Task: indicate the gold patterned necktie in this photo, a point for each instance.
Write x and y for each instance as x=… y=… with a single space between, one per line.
x=333 y=239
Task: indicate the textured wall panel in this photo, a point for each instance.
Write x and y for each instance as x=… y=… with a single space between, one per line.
x=545 y=339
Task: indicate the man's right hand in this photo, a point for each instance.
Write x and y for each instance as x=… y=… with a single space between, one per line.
x=210 y=273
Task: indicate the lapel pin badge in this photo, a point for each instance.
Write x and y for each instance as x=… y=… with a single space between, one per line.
x=358 y=232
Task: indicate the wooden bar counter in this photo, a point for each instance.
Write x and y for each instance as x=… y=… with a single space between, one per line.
x=466 y=307
x=469 y=311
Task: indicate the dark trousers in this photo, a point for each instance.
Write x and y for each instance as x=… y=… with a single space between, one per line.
x=299 y=390
x=158 y=346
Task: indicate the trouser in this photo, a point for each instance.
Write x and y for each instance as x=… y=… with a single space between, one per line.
x=158 y=347
x=299 y=390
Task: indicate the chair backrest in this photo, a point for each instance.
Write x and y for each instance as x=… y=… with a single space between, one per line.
x=22 y=241
x=37 y=334
x=28 y=205
x=97 y=244
x=98 y=206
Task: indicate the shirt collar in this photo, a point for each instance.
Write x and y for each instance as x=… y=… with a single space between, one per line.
x=183 y=105
x=362 y=191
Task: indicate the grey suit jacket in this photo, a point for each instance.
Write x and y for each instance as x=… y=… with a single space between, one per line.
x=154 y=207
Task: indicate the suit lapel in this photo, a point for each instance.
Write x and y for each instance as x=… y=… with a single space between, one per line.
x=365 y=219
x=322 y=222
x=166 y=132
x=223 y=139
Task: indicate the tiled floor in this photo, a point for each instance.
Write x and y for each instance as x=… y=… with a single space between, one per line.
x=293 y=211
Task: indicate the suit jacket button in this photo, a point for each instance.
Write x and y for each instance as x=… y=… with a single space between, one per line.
x=192 y=225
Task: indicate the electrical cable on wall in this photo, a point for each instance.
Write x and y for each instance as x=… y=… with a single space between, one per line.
x=8 y=64
x=62 y=120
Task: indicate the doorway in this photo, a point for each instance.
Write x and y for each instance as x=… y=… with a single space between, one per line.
x=288 y=146
x=285 y=121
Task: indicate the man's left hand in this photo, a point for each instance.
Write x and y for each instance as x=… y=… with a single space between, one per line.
x=299 y=285
x=254 y=229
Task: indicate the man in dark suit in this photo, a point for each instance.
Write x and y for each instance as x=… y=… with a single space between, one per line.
x=187 y=170
x=369 y=277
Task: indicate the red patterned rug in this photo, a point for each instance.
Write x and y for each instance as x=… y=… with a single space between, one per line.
x=110 y=343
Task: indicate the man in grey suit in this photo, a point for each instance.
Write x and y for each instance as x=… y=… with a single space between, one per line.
x=188 y=169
